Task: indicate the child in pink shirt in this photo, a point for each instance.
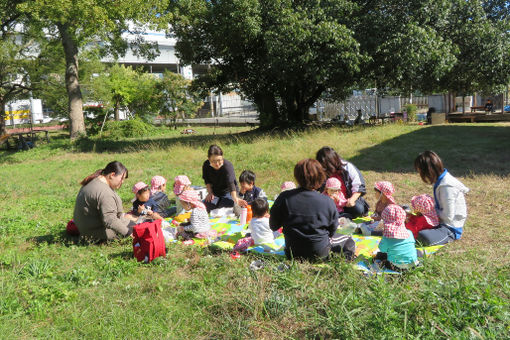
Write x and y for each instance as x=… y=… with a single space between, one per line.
x=425 y=214
x=334 y=191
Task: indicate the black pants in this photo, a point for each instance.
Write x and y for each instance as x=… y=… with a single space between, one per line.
x=340 y=244
x=360 y=209
x=343 y=244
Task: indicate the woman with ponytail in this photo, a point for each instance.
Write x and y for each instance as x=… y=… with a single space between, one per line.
x=98 y=212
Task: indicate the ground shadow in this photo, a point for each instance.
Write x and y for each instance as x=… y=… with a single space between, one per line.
x=125 y=255
x=63 y=238
x=57 y=238
x=464 y=150
x=130 y=145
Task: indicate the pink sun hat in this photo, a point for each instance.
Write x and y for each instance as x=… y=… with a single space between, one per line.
x=424 y=204
x=387 y=190
x=156 y=183
x=138 y=186
x=394 y=222
x=180 y=182
x=289 y=185
x=333 y=183
x=191 y=196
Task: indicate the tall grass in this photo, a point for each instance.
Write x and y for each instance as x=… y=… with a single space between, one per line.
x=53 y=287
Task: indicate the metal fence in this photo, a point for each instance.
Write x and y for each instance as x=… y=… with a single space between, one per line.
x=232 y=105
x=370 y=105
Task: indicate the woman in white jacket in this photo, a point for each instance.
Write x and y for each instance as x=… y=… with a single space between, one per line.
x=449 y=200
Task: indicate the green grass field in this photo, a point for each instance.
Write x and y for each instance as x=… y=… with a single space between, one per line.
x=52 y=287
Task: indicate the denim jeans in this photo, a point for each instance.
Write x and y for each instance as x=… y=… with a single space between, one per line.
x=224 y=201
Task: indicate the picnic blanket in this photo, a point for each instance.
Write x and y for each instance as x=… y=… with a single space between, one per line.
x=230 y=231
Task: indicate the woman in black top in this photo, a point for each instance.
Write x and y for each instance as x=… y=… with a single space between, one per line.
x=220 y=179
x=309 y=219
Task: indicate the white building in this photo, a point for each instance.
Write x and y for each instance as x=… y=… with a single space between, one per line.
x=166 y=60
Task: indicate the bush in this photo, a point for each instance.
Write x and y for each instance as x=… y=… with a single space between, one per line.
x=133 y=128
x=411 y=112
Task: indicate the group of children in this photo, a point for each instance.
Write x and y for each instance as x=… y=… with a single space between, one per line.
x=398 y=225
x=154 y=203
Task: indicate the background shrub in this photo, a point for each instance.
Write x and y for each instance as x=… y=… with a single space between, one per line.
x=411 y=112
x=132 y=128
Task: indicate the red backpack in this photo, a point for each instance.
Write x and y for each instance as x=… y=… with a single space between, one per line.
x=148 y=241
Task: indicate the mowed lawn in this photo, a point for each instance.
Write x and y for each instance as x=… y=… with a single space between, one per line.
x=54 y=287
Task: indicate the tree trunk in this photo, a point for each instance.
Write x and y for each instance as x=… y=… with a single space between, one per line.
x=3 y=129
x=268 y=109
x=301 y=106
x=72 y=83
x=116 y=109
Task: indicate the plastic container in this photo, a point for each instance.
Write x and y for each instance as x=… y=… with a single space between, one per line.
x=250 y=214
x=243 y=216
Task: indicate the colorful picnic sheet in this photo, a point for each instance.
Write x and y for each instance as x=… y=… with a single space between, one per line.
x=230 y=231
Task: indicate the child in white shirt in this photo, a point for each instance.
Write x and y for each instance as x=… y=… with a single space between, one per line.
x=259 y=230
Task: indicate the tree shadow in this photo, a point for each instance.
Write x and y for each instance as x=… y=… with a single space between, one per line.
x=464 y=150
x=130 y=145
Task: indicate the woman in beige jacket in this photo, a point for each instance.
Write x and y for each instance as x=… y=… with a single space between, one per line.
x=98 y=212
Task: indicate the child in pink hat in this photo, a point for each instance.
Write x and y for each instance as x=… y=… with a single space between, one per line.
x=288 y=185
x=143 y=204
x=425 y=215
x=181 y=184
x=198 y=225
x=334 y=191
x=384 y=193
x=397 y=247
x=158 y=188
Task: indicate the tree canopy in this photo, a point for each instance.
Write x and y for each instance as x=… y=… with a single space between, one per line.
x=78 y=24
x=281 y=54
x=284 y=54
x=481 y=37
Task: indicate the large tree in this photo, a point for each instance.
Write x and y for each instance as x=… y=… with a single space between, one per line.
x=78 y=24
x=281 y=54
x=284 y=54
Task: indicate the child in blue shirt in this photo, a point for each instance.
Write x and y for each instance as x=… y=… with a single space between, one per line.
x=248 y=192
x=397 y=247
x=143 y=204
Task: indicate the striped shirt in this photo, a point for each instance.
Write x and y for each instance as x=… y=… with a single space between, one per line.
x=199 y=221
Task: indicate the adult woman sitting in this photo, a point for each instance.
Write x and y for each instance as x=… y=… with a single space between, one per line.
x=98 y=211
x=220 y=179
x=450 y=203
x=309 y=219
x=353 y=183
